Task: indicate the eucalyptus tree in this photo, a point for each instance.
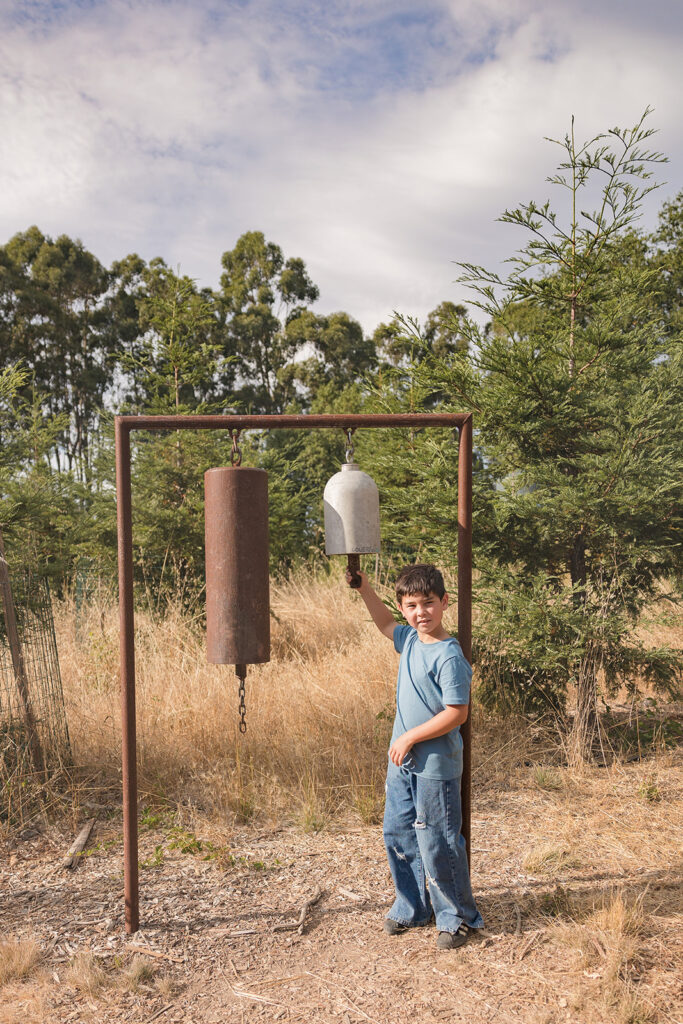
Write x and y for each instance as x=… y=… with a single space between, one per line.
x=173 y=348
x=263 y=296
x=41 y=510
x=339 y=355
x=404 y=341
x=53 y=320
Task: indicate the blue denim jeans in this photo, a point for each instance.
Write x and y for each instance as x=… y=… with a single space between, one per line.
x=426 y=852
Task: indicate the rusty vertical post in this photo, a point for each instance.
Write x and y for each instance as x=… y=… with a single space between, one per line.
x=127 y=650
x=465 y=607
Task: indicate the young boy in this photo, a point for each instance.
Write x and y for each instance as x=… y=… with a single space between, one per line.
x=422 y=818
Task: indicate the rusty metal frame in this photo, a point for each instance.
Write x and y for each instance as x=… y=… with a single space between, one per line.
x=124 y=425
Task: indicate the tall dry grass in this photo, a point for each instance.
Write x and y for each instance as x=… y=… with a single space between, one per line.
x=318 y=714
x=18 y=959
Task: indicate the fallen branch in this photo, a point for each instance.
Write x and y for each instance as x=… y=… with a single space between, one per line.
x=225 y=933
x=298 y=925
x=350 y=895
x=76 y=849
x=528 y=943
x=518 y=915
x=159 y=1013
x=255 y=996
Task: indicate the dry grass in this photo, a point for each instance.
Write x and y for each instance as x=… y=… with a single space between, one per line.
x=548 y=859
x=19 y=959
x=319 y=715
x=138 y=972
x=660 y=625
x=547 y=778
x=86 y=975
x=609 y=939
x=83 y=979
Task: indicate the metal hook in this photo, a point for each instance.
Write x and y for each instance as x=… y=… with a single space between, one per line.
x=349 y=444
x=236 y=453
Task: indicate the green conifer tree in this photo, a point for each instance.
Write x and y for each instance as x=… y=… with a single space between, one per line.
x=575 y=384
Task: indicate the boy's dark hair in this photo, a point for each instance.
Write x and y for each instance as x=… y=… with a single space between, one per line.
x=419 y=579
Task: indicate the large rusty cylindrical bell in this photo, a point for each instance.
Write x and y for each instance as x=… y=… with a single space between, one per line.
x=237 y=581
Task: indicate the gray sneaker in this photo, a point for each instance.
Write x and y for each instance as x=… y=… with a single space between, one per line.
x=452 y=940
x=392 y=927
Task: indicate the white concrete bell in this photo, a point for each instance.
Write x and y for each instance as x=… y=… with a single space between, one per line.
x=351 y=506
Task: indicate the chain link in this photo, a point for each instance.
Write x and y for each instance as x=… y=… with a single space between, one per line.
x=242 y=675
x=236 y=453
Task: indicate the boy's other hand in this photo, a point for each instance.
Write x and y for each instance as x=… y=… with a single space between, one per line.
x=400 y=749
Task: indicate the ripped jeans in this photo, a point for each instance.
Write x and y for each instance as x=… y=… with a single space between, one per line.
x=426 y=852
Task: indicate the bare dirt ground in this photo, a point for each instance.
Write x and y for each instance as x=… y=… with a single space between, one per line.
x=578 y=877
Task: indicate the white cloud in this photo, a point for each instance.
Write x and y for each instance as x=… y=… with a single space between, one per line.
x=376 y=142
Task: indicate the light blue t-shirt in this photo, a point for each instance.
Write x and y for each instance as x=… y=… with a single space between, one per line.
x=430 y=676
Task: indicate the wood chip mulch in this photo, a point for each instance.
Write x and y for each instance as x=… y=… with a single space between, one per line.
x=288 y=926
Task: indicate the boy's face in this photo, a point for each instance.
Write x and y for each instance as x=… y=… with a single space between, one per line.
x=424 y=613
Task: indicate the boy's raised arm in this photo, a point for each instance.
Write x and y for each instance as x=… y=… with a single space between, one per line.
x=381 y=615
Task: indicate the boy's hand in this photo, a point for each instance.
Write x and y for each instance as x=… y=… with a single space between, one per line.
x=400 y=748
x=363 y=578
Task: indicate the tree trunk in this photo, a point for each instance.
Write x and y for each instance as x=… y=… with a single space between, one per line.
x=577 y=569
x=585 y=721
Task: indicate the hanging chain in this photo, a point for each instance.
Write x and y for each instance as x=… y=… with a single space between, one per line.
x=236 y=453
x=349 y=444
x=241 y=671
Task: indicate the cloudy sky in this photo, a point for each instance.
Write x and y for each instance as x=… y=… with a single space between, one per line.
x=378 y=140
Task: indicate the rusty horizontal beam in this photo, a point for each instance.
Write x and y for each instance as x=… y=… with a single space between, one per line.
x=293 y=422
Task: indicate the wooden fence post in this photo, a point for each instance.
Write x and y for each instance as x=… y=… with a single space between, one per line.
x=18 y=664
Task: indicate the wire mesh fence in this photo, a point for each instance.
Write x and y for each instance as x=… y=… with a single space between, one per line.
x=33 y=724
